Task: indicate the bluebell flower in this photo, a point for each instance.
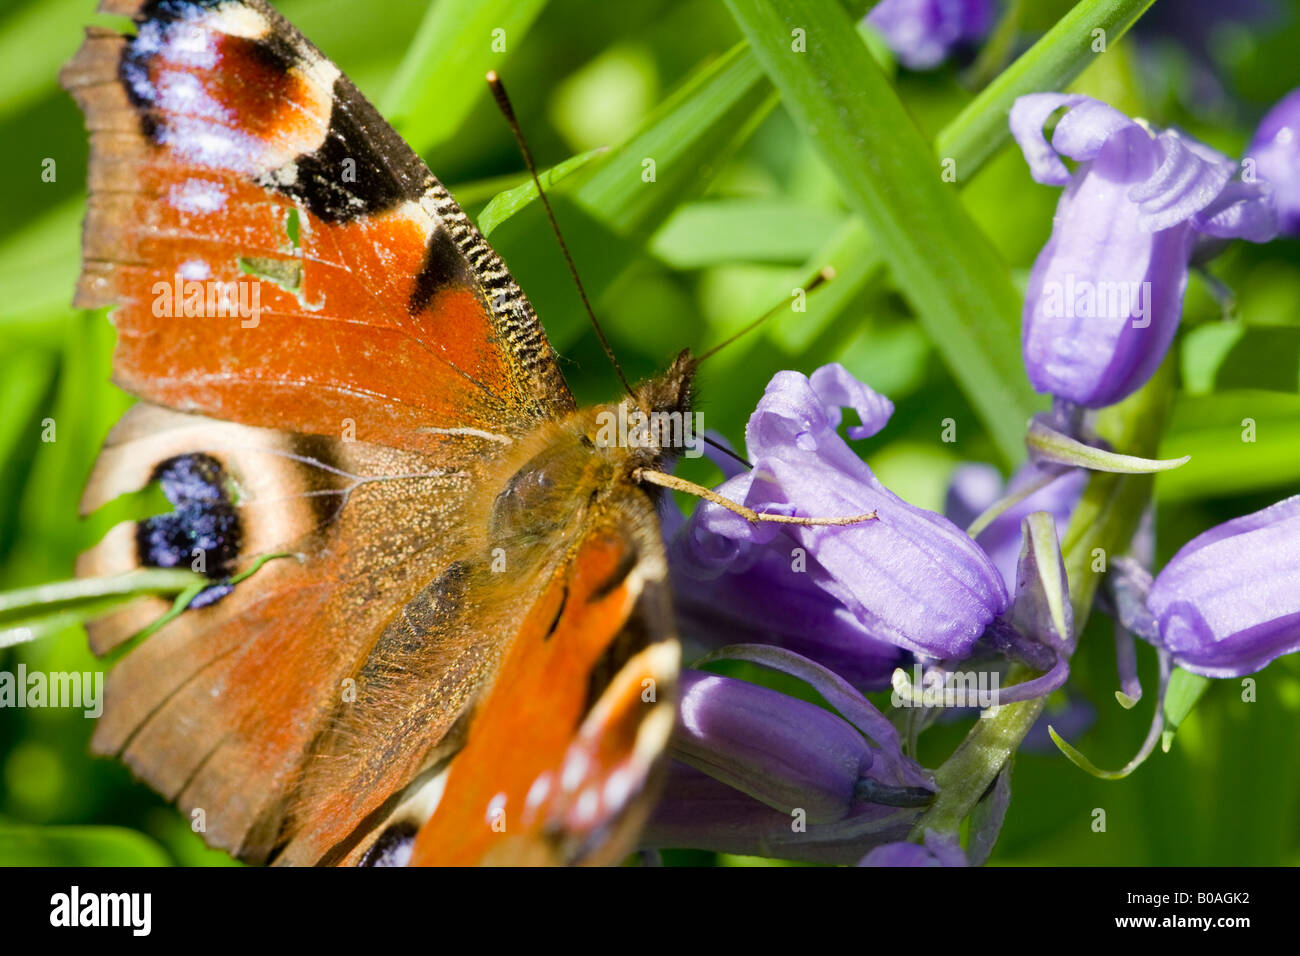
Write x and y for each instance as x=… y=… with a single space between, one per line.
x=786 y=752
x=976 y=487
x=1106 y=292
x=759 y=772
x=1275 y=151
x=937 y=850
x=910 y=579
x=923 y=32
x=1228 y=602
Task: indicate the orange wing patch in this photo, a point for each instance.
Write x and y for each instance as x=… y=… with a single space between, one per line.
x=549 y=775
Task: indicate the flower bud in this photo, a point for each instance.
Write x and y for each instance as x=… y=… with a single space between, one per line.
x=1275 y=151
x=780 y=750
x=1228 y=602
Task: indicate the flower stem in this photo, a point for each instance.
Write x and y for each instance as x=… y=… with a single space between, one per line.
x=1101 y=528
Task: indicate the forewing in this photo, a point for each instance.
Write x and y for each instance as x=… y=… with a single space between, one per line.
x=233 y=168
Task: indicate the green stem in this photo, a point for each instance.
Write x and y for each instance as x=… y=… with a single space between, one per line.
x=1102 y=527
x=44 y=597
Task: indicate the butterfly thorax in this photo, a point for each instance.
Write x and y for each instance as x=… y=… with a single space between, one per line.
x=570 y=468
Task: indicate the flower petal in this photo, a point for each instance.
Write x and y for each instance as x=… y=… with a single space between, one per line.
x=1088 y=127
x=1275 y=151
x=1105 y=295
x=1242 y=211
x=781 y=750
x=781 y=599
x=923 y=32
x=1190 y=177
x=1029 y=114
x=837 y=388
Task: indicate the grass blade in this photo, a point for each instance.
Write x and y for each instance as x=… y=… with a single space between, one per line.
x=441 y=76
x=960 y=289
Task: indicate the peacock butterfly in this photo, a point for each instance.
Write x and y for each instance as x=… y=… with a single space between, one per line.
x=462 y=649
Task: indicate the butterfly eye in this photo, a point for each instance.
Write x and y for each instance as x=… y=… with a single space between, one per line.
x=393 y=848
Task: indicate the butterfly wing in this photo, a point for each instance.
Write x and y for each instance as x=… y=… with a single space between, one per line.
x=234 y=169
x=563 y=754
x=221 y=708
x=356 y=423
x=562 y=762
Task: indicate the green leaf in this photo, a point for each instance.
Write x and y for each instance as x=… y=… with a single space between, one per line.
x=960 y=289
x=689 y=136
x=1047 y=444
x=441 y=76
x=42 y=261
x=1185 y=690
x=30 y=613
x=610 y=209
x=686 y=138
x=77 y=846
x=1083 y=763
x=506 y=204
x=32 y=53
x=1240 y=442
x=723 y=231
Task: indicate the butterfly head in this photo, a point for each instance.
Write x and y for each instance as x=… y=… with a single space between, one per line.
x=670 y=392
x=660 y=408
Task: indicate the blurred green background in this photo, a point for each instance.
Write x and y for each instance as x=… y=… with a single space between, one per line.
x=741 y=210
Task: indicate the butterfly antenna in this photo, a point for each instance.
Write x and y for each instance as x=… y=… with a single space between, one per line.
x=728 y=451
x=672 y=482
x=503 y=104
x=825 y=275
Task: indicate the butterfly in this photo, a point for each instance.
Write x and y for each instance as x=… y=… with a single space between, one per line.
x=438 y=628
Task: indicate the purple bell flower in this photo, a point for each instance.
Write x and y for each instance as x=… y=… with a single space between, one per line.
x=1106 y=292
x=786 y=752
x=923 y=32
x=770 y=602
x=1228 y=602
x=910 y=578
x=938 y=850
x=761 y=773
x=703 y=813
x=771 y=598
x=1276 y=152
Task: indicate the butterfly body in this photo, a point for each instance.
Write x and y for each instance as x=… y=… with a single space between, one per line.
x=438 y=627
